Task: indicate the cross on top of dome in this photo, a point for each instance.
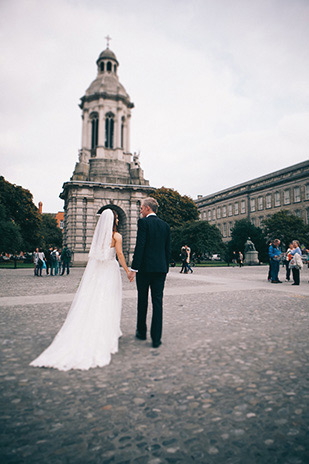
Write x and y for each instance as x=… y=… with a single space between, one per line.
x=108 y=39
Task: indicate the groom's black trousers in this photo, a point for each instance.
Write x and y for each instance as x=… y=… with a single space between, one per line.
x=155 y=281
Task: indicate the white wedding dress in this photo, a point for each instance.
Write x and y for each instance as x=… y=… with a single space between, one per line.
x=91 y=330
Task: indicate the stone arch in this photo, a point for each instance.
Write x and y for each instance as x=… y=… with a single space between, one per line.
x=122 y=226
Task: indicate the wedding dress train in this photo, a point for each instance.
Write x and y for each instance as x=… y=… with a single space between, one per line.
x=91 y=330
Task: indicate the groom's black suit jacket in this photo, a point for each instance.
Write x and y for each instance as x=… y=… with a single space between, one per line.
x=152 y=250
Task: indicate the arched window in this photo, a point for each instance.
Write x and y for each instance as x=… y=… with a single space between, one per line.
x=94 y=130
x=122 y=131
x=109 y=130
x=115 y=68
x=102 y=66
x=109 y=66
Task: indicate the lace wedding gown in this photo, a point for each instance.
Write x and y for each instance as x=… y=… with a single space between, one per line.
x=91 y=330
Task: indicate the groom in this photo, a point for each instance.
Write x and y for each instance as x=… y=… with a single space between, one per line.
x=150 y=265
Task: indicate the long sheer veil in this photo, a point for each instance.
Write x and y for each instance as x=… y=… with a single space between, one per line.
x=102 y=237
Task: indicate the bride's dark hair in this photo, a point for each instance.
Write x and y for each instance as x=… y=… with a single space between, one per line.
x=115 y=227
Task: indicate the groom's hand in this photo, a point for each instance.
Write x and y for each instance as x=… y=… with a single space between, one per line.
x=131 y=276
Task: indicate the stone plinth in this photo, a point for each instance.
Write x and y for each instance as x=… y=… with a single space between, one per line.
x=252 y=258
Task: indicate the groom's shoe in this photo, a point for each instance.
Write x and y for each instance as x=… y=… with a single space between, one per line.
x=140 y=336
x=156 y=344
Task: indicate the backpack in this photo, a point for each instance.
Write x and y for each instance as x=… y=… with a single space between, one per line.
x=53 y=256
x=66 y=254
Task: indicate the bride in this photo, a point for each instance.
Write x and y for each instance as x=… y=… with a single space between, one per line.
x=91 y=330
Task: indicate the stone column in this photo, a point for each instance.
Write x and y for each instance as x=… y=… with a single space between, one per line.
x=88 y=136
x=85 y=130
x=90 y=223
x=84 y=223
x=101 y=138
x=79 y=224
x=116 y=131
x=127 y=134
x=117 y=128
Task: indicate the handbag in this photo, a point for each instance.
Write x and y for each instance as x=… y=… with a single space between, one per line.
x=296 y=262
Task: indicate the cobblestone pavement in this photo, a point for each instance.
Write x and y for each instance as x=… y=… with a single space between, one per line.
x=228 y=385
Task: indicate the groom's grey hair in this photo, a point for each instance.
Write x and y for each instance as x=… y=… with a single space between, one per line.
x=152 y=203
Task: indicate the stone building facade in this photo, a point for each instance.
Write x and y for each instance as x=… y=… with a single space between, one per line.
x=258 y=199
x=106 y=175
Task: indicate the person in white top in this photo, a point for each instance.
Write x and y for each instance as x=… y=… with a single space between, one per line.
x=40 y=262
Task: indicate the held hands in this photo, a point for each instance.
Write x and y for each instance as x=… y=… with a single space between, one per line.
x=131 y=275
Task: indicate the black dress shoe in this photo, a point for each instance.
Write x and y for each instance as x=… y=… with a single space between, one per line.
x=156 y=344
x=139 y=336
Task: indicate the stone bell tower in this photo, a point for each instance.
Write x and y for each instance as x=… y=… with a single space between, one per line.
x=106 y=175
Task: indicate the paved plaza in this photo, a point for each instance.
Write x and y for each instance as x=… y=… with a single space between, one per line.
x=228 y=385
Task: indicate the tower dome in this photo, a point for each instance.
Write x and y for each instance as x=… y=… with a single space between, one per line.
x=107 y=85
x=107 y=54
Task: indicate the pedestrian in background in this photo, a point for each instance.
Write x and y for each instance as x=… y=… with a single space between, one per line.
x=66 y=259
x=188 y=250
x=48 y=259
x=54 y=257
x=59 y=261
x=296 y=262
x=35 y=261
x=184 y=257
x=40 y=262
x=269 y=268
x=286 y=262
x=274 y=255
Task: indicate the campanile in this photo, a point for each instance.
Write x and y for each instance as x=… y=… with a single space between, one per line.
x=107 y=174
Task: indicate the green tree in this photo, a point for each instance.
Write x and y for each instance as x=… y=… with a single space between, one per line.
x=287 y=227
x=239 y=235
x=50 y=232
x=200 y=236
x=10 y=236
x=174 y=208
x=19 y=208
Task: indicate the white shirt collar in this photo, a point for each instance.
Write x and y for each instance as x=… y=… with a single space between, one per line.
x=151 y=214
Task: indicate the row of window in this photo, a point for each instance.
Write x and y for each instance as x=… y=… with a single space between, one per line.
x=109 y=130
x=224 y=211
x=256 y=204
x=226 y=227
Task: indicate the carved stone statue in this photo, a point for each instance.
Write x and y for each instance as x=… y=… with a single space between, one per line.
x=249 y=245
x=136 y=161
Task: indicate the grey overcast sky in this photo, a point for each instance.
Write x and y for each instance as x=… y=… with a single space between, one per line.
x=220 y=88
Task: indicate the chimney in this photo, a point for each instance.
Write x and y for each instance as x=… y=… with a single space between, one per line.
x=40 y=207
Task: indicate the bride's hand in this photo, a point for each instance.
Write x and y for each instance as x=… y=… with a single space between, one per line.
x=131 y=275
